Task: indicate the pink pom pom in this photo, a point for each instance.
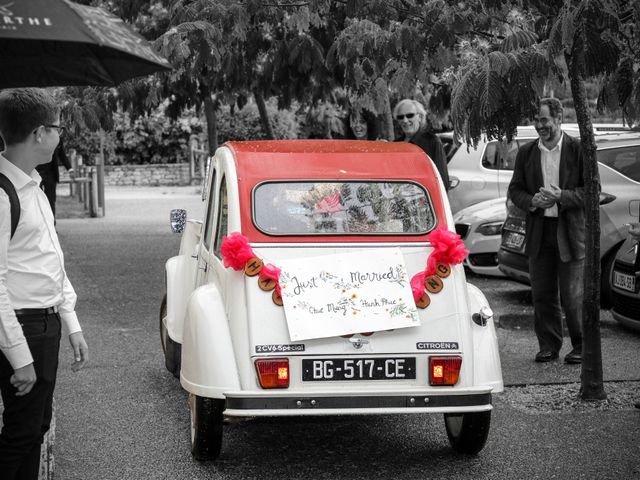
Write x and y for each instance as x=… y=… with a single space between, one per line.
x=269 y=272
x=448 y=248
x=236 y=250
x=417 y=285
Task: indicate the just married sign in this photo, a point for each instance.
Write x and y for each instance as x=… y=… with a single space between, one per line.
x=347 y=293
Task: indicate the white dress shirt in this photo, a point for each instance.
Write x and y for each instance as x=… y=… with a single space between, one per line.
x=550 y=163
x=32 y=271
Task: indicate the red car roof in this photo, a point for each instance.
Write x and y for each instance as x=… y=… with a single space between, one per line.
x=339 y=160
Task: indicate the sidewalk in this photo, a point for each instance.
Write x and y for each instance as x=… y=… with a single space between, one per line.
x=70 y=207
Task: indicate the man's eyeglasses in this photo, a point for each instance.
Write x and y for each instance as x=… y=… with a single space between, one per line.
x=61 y=129
x=408 y=115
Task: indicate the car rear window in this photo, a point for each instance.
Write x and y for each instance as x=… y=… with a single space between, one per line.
x=625 y=160
x=342 y=208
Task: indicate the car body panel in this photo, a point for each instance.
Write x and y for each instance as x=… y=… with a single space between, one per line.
x=483 y=247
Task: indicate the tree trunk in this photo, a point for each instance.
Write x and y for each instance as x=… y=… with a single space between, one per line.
x=387 y=121
x=264 y=115
x=212 y=125
x=592 y=387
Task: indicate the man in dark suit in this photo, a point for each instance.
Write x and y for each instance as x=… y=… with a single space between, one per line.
x=50 y=174
x=548 y=184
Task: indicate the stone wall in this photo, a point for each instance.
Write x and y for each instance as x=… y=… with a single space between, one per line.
x=148 y=175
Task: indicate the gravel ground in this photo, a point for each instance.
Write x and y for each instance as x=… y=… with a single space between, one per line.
x=541 y=399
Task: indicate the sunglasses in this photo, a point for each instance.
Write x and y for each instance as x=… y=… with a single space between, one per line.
x=409 y=116
x=60 y=128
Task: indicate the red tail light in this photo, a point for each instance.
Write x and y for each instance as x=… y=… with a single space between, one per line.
x=444 y=370
x=273 y=372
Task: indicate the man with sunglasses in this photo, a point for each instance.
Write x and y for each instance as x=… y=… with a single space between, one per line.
x=412 y=118
x=36 y=297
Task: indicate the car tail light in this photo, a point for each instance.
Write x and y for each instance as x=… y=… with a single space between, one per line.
x=273 y=372
x=444 y=370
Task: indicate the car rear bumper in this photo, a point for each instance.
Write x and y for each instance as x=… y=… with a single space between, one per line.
x=514 y=265
x=243 y=404
x=626 y=309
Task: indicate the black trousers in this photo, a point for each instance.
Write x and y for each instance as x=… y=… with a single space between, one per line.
x=556 y=286
x=26 y=419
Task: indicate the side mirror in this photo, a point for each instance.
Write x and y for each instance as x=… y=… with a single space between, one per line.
x=178 y=219
x=606 y=198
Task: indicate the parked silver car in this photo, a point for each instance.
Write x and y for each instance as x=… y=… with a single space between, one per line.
x=619 y=166
x=480 y=226
x=484 y=173
x=625 y=280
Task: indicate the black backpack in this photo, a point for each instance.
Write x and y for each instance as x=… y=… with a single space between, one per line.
x=7 y=186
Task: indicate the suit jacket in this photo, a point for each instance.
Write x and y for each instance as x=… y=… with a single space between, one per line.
x=49 y=171
x=432 y=146
x=527 y=180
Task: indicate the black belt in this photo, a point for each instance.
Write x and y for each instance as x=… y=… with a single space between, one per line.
x=36 y=311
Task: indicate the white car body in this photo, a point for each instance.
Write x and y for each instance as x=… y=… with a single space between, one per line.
x=480 y=227
x=216 y=323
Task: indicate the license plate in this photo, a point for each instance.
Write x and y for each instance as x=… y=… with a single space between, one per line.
x=513 y=240
x=624 y=281
x=323 y=369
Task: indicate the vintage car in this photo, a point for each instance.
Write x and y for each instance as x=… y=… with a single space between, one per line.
x=326 y=279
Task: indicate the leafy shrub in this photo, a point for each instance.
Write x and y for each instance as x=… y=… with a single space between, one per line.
x=245 y=124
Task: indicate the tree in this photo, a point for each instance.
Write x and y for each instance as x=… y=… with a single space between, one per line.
x=577 y=40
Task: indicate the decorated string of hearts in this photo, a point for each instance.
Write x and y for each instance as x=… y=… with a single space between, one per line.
x=448 y=250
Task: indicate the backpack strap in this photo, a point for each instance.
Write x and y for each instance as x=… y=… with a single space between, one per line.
x=14 y=201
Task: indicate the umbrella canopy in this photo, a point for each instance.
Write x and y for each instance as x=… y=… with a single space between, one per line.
x=61 y=43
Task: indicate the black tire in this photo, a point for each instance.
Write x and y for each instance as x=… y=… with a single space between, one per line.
x=606 y=292
x=468 y=432
x=206 y=427
x=172 y=350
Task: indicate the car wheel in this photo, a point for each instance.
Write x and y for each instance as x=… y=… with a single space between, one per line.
x=206 y=427
x=467 y=432
x=606 y=293
x=172 y=350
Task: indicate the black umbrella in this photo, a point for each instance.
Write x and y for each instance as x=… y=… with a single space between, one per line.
x=60 y=43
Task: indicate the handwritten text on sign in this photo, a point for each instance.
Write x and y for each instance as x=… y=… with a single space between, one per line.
x=346 y=293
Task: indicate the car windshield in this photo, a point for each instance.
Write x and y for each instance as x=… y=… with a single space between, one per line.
x=625 y=160
x=342 y=208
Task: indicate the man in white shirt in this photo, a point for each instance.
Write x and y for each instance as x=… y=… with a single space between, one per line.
x=548 y=183
x=36 y=296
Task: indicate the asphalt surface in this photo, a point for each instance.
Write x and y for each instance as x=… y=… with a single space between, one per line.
x=125 y=417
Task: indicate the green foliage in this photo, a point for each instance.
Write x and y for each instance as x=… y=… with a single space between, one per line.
x=153 y=138
x=244 y=124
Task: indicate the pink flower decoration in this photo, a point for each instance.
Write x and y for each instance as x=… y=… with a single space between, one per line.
x=270 y=272
x=236 y=250
x=273 y=273
x=448 y=248
x=417 y=285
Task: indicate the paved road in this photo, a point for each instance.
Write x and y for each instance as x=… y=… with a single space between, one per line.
x=125 y=417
